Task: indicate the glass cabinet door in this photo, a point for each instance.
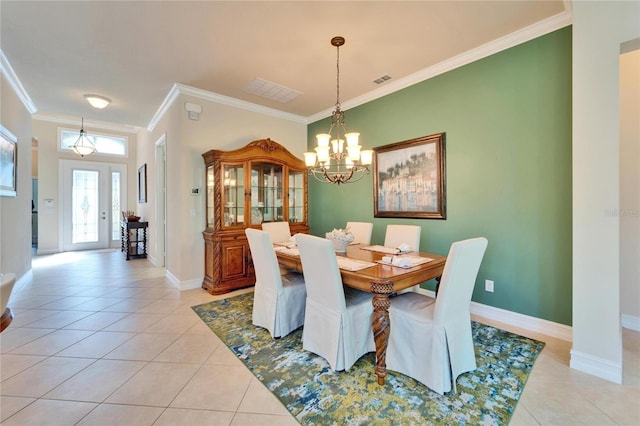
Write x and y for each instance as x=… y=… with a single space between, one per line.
x=233 y=195
x=296 y=196
x=266 y=193
x=210 y=197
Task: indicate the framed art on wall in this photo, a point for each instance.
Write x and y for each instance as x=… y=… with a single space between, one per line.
x=142 y=184
x=409 y=178
x=8 y=162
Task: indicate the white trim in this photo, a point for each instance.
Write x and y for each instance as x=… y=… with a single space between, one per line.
x=538 y=325
x=53 y=118
x=595 y=366
x=523 y=35
x=7 y=70
x=183 y=285
x=164 y=107
x=631 y=322
x=182 y=89
x=172 y=279
x=190 y=284
x=226 y=100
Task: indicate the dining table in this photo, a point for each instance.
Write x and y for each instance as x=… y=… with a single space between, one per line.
x=374 y=269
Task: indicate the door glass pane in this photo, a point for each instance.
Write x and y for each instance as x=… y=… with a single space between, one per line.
x=233 y=193
x=296 y=196
x=84 y=206
x=266 y=192
x=115 y=205
x=210 y=198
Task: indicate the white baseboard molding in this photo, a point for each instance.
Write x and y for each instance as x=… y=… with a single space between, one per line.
x=190 y=284
x=172 y=279
x=631 y=322
x=549 y=328
x=595 y=366
x=183 y=285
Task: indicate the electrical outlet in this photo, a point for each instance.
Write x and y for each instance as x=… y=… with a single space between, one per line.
x=488 y=286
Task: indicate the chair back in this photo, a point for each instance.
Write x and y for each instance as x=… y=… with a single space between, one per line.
x=265 y=262
x=361 y=232
x=321 y=272
x=279 y=232
x=458 y=279
x=403 y=234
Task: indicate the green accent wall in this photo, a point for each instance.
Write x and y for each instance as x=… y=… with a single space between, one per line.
x=507 y=120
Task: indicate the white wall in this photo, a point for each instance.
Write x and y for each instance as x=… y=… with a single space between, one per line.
x=630 y=188
x=599 y=28
x=15 y=212
x=222 y=127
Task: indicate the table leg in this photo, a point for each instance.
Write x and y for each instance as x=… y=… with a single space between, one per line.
x=381 y=325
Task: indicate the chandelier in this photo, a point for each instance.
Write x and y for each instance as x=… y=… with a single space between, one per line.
x=83 y=145
x=333 y=161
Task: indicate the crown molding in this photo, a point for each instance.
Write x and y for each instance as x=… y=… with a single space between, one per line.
x=58 y=119
x=182 y=89
x=7 y=70
x=523 y=35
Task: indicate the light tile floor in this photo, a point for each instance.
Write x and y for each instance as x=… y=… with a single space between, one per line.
x=97 y=340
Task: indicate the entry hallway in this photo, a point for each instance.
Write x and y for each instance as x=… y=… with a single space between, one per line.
x=97 y=340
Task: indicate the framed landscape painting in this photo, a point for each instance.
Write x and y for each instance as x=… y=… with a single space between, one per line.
x=8 y=162
x=409 y=178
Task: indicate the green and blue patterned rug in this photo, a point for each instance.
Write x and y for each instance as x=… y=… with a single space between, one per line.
x=316 y=395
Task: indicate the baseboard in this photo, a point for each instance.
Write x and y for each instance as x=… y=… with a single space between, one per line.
x=191 y=284
x=183 y=285
x=595 y=366
x=631 y=322
x=172 y=279
x=549 y=328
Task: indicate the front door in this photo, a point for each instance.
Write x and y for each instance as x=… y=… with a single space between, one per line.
x=92 y=195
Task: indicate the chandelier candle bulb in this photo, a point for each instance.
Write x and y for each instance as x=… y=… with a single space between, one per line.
x=323 y=140
x=310 y=159
x=354 y=152
x=337 y=145
x=323 y=154
x=366 y=157
x=352 y=139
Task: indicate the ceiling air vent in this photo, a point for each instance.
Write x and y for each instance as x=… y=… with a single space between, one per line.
x=272 y=91
x=382 y=79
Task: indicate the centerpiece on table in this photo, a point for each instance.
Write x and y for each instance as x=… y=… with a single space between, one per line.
x=341 y=239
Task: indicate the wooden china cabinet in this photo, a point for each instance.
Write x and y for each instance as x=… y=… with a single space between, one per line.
x=261 y=182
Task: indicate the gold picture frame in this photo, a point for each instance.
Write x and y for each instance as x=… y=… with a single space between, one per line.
x=8 y=163
x=409 y=179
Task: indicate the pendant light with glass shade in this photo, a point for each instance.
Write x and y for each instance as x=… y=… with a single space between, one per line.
x=334 y=161
x=83 y=145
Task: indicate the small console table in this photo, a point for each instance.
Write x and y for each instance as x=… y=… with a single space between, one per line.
x=134 y=239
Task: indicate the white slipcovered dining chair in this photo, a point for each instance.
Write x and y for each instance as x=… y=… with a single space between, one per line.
x=279 y=232
x=7 y=281
x=397 y=235
x=361 y=232
x=337 y=320
x=278 y=300
x=430 y=340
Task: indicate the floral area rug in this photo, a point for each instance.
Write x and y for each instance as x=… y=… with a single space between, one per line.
x=316 y=395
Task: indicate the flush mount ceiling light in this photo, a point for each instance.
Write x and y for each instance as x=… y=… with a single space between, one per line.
x=333 y=161
x=97 y=101
x=83 y=145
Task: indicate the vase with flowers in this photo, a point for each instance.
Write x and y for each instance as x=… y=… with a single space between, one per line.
x=341 y=238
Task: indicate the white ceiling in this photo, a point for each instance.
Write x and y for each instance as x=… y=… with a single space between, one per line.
x=134 y=51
